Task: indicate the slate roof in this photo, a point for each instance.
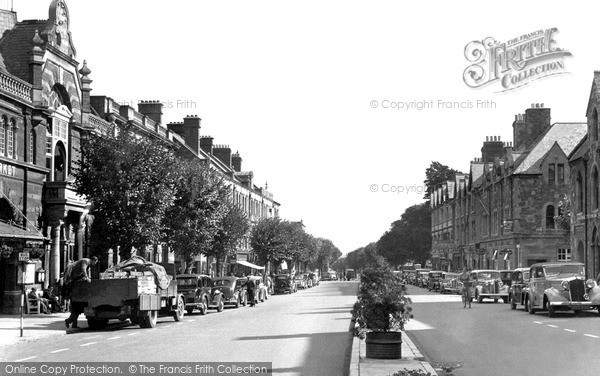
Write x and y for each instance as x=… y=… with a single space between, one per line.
x=477 y=170
x=15 y=46
x=580 y=150
x=567 y=135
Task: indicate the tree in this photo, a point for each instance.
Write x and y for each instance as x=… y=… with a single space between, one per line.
x=267 y=240
x=435 y=174
x=198 y=213
x=130 y=183
x=328 y=253
x=409 y=238
x=232 y=229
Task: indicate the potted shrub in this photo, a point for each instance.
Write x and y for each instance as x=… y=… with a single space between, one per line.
x=381 y=311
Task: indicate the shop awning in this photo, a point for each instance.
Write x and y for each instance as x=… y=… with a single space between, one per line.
x=250 y=265
x=13 y=232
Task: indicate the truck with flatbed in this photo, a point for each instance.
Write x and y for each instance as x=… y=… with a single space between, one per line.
x=139 y=294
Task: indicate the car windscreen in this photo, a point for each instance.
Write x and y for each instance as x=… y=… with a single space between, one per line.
x=505 y=275
x=281 y=277
x=488 y=275
x=221 y=283
x=187 y=282
x=563 y=271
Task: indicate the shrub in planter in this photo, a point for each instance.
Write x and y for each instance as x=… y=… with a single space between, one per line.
x=381 y=311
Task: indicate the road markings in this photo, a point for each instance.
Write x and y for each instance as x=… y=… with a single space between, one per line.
x=110 y=339
x=88 y=338
x=538 y=322
x=24 y=359
x=88 y=344
x=570 y=330
x=133 y=334
x=57 y=351
x=591 y=336
x=553 y=326
x=435 y=298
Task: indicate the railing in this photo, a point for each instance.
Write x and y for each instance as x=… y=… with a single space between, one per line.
x=15 y=86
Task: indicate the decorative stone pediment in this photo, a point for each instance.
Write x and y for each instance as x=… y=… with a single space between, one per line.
x=57 y=31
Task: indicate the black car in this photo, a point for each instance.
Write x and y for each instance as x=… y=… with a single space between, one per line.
x=284 y=283
x=198 y=292
x=233 y=290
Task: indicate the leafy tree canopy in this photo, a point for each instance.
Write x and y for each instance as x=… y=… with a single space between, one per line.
x=435 y=174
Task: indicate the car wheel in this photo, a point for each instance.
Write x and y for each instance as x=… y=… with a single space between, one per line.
x=551 y=311
x=505 y=300
x=204 y=307
x=495 y=300
x=149 y=319
x=513 y=305
x=220 y=306
x=238 y=302
x=180 y=311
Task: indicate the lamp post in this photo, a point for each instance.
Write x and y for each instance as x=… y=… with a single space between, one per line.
x=519 y=255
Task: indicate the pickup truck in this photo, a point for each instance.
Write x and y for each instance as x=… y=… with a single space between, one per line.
x=133 y=295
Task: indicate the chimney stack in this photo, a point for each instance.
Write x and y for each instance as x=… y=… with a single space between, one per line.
x=236 y=162
x=223 y=153
x=531 y=126
x=152 y=109
x=206 y=144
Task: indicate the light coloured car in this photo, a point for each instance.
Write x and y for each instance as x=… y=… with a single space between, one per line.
x=561 y=286
x=488 y=285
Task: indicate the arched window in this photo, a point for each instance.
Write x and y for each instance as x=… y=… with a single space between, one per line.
x=3 y=128
x=550 y=217
x=60 y=167
x=595 y=189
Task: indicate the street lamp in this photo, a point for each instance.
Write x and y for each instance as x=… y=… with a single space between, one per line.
x=41 y=275
x=519 y=255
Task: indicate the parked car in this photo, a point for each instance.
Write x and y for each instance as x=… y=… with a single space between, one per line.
x=488 y=285
x=450 y=283
x=309 y=281
x=560 y=286
x=518 y=287
x=284 y=283
x=300 y=282
x=234 y=292
x=433 y=280
x=315 y=278
x=198 y=293
x=421 y=277
x=330 y=276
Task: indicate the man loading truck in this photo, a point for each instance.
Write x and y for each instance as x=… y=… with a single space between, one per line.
x=77 y=272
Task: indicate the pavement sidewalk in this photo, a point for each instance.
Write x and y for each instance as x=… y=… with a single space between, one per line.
x=35 y=327
x=412 y=359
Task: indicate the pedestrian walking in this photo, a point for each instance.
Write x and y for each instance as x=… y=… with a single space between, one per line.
x=251 y=287
x=77 y=272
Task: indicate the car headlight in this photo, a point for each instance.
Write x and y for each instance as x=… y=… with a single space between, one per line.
x=565 y=285
x=590 y=283
x=586 y=296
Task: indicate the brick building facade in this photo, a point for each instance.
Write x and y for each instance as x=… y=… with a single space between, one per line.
x=45 y=107
x=502 y=214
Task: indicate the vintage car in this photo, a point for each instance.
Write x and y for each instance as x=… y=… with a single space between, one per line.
x=309 y=281
x=198 y=293
x=350 y=274
x=233 y=290
x=518 y=287
x=330 y=276
x=284 y=283
x=450 y=283
x=434 y=280
x=315 y=278
x=300 y=282
x=560 y=286
x=488 y=285
x=411 y=277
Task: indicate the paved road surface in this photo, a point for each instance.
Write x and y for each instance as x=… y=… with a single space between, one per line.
x=306 y=333
x=491 y=339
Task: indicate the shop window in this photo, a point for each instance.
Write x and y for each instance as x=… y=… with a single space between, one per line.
x=550 y=217
x=564 y=255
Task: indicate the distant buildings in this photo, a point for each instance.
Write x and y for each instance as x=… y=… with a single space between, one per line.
x=45 y=107
x=502 y=214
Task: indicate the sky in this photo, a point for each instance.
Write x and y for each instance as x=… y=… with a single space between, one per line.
x=309 y=91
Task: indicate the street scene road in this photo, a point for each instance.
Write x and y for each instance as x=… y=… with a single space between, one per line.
x=306 y=333
x=491 y=339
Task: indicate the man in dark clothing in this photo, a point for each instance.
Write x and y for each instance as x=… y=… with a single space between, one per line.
x=77 y=272
x=251 y=287
x=43 y=303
